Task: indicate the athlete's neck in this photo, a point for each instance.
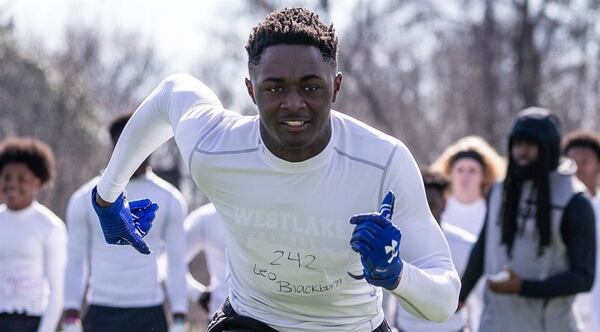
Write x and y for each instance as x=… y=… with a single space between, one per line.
x=297 y=153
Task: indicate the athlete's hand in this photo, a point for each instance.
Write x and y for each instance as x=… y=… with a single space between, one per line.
x=377 y=240
x=126 y=222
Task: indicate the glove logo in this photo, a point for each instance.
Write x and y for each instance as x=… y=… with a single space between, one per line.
x=392 y=249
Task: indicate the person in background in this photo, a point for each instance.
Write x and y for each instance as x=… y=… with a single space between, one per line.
x=205 y=233
x=584 y=148
x=472 y=166
x=538 y=245
x=33 y=240
x=460 y=243
x=123 y=288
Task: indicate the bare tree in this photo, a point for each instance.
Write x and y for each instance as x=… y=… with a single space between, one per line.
x=64 y=98
x=430 y=73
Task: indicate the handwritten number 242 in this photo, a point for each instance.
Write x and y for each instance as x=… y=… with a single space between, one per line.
x=296 y=257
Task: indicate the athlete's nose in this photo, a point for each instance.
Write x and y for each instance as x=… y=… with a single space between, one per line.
x=293 y=101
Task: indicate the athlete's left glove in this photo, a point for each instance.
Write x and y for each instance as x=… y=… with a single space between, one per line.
x=377 y=240
x=126 y=222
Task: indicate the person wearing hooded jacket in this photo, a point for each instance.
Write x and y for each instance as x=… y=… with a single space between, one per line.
x=537 y=245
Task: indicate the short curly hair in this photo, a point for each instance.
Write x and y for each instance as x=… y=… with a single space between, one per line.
x=38 y=156
x=296 y=26
x=584 y=139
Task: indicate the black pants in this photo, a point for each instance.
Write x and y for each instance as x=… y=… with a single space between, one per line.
x=18 y=322
x=227 y=320
x=112 y=319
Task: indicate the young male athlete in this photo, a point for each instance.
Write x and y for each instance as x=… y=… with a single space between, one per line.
x=293 y=185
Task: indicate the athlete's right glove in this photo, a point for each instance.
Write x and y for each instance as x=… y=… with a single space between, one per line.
x=126 y=222
x=377 y=240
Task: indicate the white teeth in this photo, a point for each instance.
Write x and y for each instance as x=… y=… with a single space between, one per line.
x=294 y=123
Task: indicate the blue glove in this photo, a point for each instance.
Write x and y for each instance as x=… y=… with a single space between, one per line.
x=377 y=240
x=125 y=222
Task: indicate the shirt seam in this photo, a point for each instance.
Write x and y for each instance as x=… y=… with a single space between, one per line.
x=226 y=152
x=200 y=139
x=385 y=171
x=360 y=160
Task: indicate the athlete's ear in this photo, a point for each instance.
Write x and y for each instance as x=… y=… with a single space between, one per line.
x=337 y=85
x=250 y=89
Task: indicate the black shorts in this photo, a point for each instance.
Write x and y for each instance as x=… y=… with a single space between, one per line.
x=112 y=319
x=18 y=322
x=227 y=320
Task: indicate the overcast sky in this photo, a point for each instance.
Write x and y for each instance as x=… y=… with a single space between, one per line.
x=177 y=28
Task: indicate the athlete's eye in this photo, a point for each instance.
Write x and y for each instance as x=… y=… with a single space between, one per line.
x=275 y=89
x=311 y=88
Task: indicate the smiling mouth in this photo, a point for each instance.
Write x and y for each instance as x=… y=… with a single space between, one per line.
x=295 y=125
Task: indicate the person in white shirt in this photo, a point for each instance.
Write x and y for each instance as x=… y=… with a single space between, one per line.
x=584 y=148
x=293 y=185
x=460 y=243
x=123 y=288
x=33 y=240
x=472 y=166
x=205 y=233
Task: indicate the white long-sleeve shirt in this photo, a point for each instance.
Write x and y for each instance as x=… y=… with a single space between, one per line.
x=205 y=232
x=33 y=245
x=115 y=275
x=286 y=223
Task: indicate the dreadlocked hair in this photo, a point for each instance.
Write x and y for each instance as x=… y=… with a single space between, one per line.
x=511 y=195
x=510 y=201
x=292 y=26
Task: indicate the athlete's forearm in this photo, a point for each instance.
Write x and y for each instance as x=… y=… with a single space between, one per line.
x=429 y=283
x=146 y=130
x=431 y=294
